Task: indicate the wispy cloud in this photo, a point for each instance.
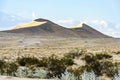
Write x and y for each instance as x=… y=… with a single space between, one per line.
x=106 y=27
x=66 y=22
x=113 y=32
x=34 y=15
x=102 y=23
x=117 y=26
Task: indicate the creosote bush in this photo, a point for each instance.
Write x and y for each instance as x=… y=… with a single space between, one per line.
x=103 y=56
x=76 y=71
x=27 y=61
x=2 y=66
x=8 y=68
x=53 y=64
x=11 y=68
x=43 y=62
x=100 y=64
x=57 y=66
x=74 y=54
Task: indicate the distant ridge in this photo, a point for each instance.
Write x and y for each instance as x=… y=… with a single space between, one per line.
x=44 y=27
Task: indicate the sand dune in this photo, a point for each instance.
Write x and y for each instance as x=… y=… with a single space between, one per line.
x=43 y=27
x=30 y=24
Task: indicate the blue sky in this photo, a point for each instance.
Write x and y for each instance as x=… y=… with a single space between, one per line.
x=103 y=15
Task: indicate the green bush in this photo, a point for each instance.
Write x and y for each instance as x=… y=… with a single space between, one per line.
x=28 y=61
x=43 y=62
x=55 y=66
x=103 y=56
x=8 y=68
x=76 y=71
x=2 y=66
x=100 y=64
x=89 y=58
x=117 y=52
x=74 y=54
x=67 y=61
x=11 y=68
x=109 y=68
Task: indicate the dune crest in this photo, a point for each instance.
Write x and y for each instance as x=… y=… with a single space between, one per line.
x=77 y=26
x=30 y=24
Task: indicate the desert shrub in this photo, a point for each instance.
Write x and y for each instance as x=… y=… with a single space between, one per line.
x=88 y=76
x=68 y=76
x=21 y=72
x=76 y=71
x=36 y=72
x=74 y=54
x=67 y=61
x=117 y=52
x=116 y=76
x=100 y=64
x=8 y=68
x=40 y=73
x=55 y=66
x=102 y=56
x=2 y=66
x=89 y=58
x=27 y=61
x=105 y=67
x=31 y=73
x=11 y=68
x=43 y=62
x=109 y=68
x=84 y=76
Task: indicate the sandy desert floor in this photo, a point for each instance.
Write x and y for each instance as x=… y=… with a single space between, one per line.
x=15 y=78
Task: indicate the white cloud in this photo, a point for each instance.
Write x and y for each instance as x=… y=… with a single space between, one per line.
x=84 y=21
x=112 y=32
x=101 y=23
x=118 y=26
x=71 y=22
x=66 y=21
x=34 y=15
